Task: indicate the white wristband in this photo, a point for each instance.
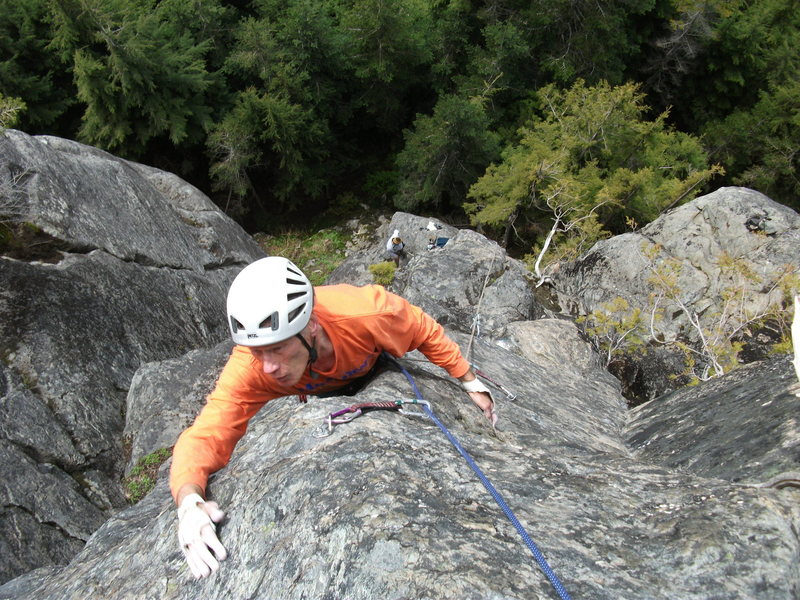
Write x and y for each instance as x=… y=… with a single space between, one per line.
x=188 y=502
x=476 y=385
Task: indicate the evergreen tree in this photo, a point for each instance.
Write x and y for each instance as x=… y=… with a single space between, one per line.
x=10 y=109
x=589 y=40
x=28 y=70
x=444 y=154
x=272 y=145
x=325 y=89
x=389 y=48
x=721 y=54
x=761 y=146
x=292 y=102
x=140 y=75
x=266 y=129
x=589 y=164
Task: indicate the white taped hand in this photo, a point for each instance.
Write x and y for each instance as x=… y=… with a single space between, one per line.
x=197 y=534
x=479 y=394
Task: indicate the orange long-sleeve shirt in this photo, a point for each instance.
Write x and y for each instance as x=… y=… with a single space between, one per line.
x=360 y=322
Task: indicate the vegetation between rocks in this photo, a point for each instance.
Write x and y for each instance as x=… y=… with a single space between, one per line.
x=711 y=342
x=143 y=476
x=383 y=272
x=317 y=254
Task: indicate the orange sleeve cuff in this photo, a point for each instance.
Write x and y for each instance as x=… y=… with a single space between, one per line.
x=461 y=368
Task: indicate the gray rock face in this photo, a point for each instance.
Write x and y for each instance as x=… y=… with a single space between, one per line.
x=138 y=268
x=731 y=222
x=165 y=397
x=470 y=284
x=88 y=199
x=413 y=230
x=552 y=343
x=729 y=225
x=724 y=430
x=384 y=507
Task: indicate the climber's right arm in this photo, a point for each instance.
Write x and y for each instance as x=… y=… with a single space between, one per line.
x=206 y=447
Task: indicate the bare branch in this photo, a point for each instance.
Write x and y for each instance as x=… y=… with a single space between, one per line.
x=13 y=207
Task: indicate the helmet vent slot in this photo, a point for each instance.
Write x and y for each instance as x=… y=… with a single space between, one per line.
x=270 y=322
x=295 y=312
x=296 y=282
x=236 y=325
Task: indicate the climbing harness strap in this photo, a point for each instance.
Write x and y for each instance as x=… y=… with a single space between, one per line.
x=537 y=554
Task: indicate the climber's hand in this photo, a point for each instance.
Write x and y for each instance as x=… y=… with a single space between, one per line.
x=480 y=396
x=197 y=534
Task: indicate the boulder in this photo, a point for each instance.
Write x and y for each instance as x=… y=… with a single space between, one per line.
x=701 y=235
x=86 y=199
x=724 y=430
x=552 y=343
x=468 y=284
x=370 y=249
x=127 y=265
x=165 y=397
x=112 y=336
x=731 y=240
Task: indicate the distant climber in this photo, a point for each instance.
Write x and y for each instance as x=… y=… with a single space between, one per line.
x=292 y=339
x=434 y=241
x=761 y=223
x=395 y=248
x=755 y=223
x=437 y=242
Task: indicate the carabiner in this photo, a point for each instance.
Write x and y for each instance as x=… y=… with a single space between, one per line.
x=511 y=396
x=342 y=416
x=413 y=413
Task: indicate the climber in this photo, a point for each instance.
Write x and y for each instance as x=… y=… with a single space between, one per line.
x=395 y=248
x=292 y=339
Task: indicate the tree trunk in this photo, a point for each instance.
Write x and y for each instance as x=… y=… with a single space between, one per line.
x=509 y=226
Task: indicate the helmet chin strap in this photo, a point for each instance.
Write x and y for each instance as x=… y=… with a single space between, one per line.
x=312 y=354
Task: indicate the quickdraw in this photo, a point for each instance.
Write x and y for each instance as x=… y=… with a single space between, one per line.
x=353 y=411
x=356 y=410
x=509 y=394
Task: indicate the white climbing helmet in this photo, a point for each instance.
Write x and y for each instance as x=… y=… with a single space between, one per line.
x=269 y=301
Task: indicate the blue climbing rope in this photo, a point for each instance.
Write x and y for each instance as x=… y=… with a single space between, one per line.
x=537 y=554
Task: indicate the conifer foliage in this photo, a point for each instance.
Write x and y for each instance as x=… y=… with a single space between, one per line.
x=590 y=164
x=138 y=70
x=275 y=107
